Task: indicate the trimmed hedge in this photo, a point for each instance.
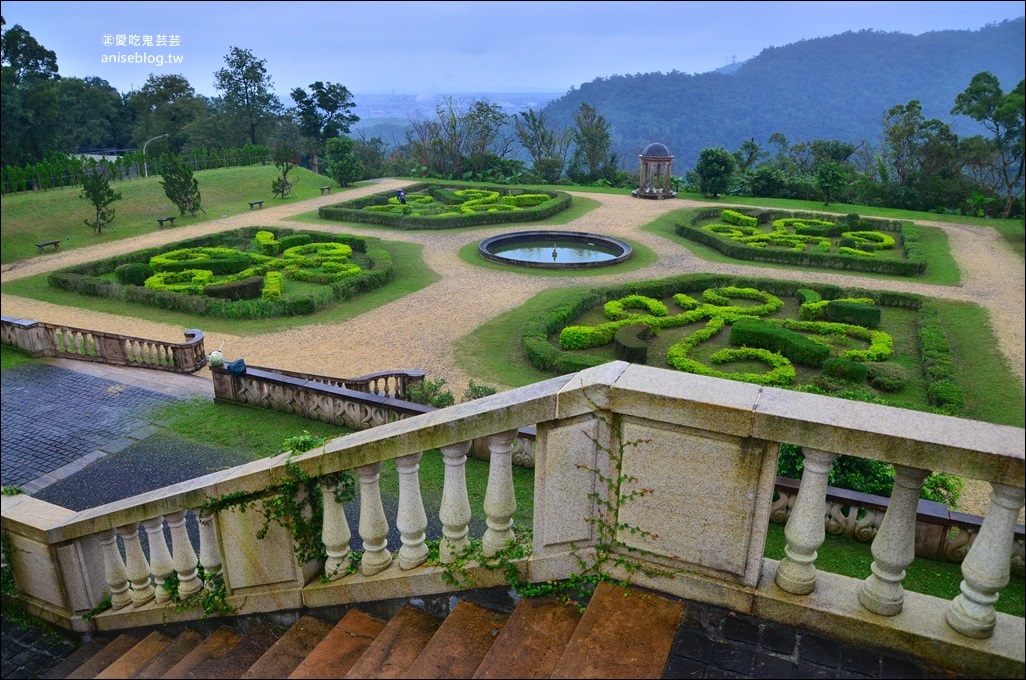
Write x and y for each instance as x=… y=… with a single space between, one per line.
x=857 y=313
x=761 y=334
x=463 y=214
x=913 y=264
x=630 y=343
x=84 y=278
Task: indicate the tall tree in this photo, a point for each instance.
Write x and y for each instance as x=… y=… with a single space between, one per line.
x=324 y=113
x=166 y=104
x=715 y=167
x=247 y=89
x=592 y=157
x=831 y=177
x=1003 y=115
x=546 y=145
x=28 y=98
x=344 y=166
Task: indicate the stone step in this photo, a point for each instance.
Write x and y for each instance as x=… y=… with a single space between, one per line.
x=254 y=644
x=397 y=646
x=104 y=657
x=532 y=641
x=172 y=654
x=624 y=633
x=76 y=659
x=289 y=651
x=192 y=665
x=342 y=647
x=137 y=657
x=461 y=643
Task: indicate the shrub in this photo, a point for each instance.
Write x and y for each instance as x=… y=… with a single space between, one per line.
x=858 y=313
x=630 y=343
x=429 y=392
x=845 y=369
x=886 y=377
x=134 y=274
x=753 y=332
x=245 y=289
x=476 y=391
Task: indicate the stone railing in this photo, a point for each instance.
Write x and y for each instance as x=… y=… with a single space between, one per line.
x=335 y=401
x=38 y=338
x=701 y=452
x=940 y=533
x=392 y=384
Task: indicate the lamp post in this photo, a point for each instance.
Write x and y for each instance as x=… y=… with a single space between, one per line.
x=146 y=169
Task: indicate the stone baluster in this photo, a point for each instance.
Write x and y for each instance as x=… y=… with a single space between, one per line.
x=894 y=547
x=454 y=512
x=411 y=519
x=500 y=503
x=805 y=530
x=373 y=525
x=210 y=549
x=161 y=565
x=183 y=555
x=114 y=571
x=136 y=566
x=335 y=533
x=985 y=569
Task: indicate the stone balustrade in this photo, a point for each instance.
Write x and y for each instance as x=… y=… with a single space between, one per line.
x=680 y=468
x=392 y=384
x=39 y=338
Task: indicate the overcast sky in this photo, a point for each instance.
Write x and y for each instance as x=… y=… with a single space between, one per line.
x=455 y=47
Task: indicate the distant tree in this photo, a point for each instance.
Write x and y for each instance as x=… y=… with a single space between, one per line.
x=28 y=98
x=324 y=113
x=285 y=157
x=165 y=104
x=92 y=115
x=715 y=167
x=547 y=146
x=97 y=190
x=372 y=154
x=1003 y=115
x=748 y=155
x=831 y=177
x=592 y=157
x=462 y=140
x=343 y=165
x=180 y=187
x=248 y=90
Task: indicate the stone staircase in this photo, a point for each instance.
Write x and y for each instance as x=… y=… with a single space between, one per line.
x=623 y=633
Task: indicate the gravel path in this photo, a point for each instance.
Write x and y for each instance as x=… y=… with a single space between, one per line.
x=419 y=330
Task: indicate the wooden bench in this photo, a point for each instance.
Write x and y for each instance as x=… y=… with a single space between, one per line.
x=253 y=204
x=326 y=190
x=162 y=220
x=42 y=246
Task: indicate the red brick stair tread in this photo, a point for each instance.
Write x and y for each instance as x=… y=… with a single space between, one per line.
x=105 y=657
x=532 y=641
x=342 y=647
x=137 y=657
x=461 y=643
x=625 y=633
x=254 y=643
x=76 y=659
x=219 y=643
x=398 y=645
x=172 y=654
x=290 y=650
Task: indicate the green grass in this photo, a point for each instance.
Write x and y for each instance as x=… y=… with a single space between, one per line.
x=491 y=352
x=840 y=555
x=992 y=393
x=411 y=274
x=578 y=206
x=34 y=217
x=641 y=258
x=941 y=268
x=11 y=357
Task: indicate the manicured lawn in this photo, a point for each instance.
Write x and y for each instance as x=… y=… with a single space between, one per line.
x=34 y=217
x=941 y=268
x=410 y=274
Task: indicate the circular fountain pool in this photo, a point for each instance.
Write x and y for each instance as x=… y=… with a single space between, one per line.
x=554 y=249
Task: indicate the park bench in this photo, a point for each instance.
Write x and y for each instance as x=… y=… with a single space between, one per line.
x=326 y=190
x=253 y=204
x=42 y=246
x=162 y=220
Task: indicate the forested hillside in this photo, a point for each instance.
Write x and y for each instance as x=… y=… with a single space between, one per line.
x=837 y=87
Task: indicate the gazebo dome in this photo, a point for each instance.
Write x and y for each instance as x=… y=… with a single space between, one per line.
x=656 y=150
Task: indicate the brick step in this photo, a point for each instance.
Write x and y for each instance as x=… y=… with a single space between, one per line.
x=624 y=633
